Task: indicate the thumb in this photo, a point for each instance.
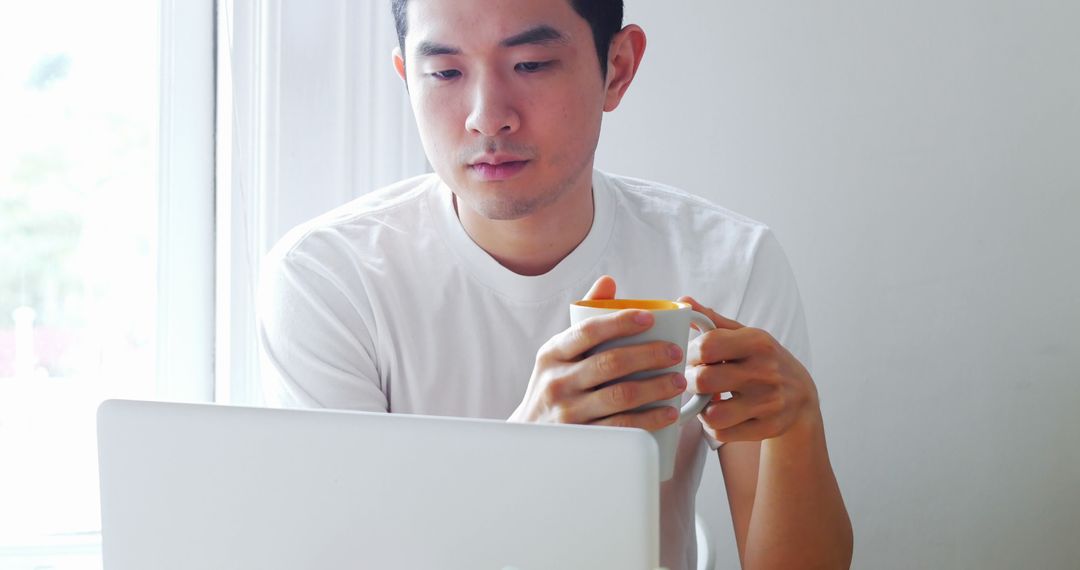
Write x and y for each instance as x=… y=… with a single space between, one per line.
x=719 y=320
x=604 y=288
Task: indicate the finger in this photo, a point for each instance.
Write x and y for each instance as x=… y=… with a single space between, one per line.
x=727 y=414
x=723 y=345
x=754 y=429
x=579 y=338
x=628 y=395
x=717 y=378
x=750 y=430
x=719 y=320
x=604 y=288
x=615 y=363
x=652 y=419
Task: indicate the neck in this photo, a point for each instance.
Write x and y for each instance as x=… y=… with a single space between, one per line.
x=536 y=243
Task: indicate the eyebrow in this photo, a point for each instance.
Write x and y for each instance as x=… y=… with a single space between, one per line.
x=428 y=49
x=542 y=35
x=536 y=35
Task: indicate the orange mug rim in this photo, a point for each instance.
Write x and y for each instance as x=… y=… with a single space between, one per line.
x=640 y=304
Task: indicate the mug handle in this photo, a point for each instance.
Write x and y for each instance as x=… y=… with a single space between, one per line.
x=698 y=402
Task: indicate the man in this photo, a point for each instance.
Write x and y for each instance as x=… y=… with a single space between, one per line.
x=447 y=294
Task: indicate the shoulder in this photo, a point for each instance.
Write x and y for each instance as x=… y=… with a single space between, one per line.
x=657 y=204
x=347 y=229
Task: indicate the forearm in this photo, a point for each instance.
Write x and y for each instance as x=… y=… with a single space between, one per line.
x=798 y=519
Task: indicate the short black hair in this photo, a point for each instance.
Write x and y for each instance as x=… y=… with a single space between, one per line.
x=604 y=17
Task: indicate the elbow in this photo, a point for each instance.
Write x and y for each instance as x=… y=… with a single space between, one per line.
x=843 y=547
x=847 y=546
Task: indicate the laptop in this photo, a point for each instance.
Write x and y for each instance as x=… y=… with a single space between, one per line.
x=205 y=486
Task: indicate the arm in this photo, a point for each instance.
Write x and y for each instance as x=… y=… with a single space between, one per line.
x=315 y=343
x=786 y=506
x=739 y=464
x=785 y=503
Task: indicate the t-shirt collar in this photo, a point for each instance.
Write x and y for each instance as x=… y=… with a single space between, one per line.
x=569 y=273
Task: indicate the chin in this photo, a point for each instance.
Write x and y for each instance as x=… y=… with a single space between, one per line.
x=508 y=200
x=505 y=209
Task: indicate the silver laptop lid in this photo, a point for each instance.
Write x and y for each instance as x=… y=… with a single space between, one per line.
x=186 y=486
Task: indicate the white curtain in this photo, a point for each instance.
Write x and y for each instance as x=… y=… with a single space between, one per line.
x=310 y=116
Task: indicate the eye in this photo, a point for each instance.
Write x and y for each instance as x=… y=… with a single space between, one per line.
x=532 y=66
x=445 y=74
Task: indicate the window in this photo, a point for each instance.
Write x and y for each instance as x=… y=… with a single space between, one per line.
x=122 y=270
x=105 y=283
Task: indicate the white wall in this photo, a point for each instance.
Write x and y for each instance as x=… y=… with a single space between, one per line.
x=920 y=161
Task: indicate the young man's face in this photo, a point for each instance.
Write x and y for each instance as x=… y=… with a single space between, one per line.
x=508 y=97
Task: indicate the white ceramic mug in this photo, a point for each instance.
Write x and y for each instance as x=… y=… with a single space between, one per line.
x=671 y=323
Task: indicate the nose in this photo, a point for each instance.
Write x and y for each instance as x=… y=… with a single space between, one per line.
x=492 y=112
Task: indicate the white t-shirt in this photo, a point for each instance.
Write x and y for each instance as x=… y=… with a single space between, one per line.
x=386 y=304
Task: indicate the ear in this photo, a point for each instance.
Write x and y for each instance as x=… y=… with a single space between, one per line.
x=624 y=57
x=399 y=64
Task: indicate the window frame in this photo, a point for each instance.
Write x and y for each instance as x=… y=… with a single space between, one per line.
x=245 y=175
x=186 y=190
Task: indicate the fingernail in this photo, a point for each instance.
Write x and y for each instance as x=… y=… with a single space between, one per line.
x=679 y=381
x=675 y=352
x=643 y=318
x=671 y=413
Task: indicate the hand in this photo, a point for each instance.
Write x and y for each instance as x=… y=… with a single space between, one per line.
x=568 y=387
x=771 y=391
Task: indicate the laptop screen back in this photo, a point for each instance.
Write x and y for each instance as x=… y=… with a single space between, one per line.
x=207 y=486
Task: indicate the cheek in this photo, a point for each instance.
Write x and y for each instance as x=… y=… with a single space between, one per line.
x=567 y=107
x=572 y=127
x=435 y=120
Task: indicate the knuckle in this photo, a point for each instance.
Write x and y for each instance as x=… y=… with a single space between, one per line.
x=549 y=396
x=584 y=333
x=546 y=391
x=627 y=321
x=549 y=346
x=555 y=387
x=773 y=405
x=661 y=354
x=608 y=363
x=709 y=350
x=771 y=372
x=697 y=377
x=658 y=353
x=623 y=393
x=763 y=342
x=545 y=356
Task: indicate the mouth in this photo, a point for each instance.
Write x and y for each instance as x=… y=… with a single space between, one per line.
x=497 y=169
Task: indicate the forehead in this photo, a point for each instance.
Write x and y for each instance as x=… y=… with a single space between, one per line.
x=479 y=25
